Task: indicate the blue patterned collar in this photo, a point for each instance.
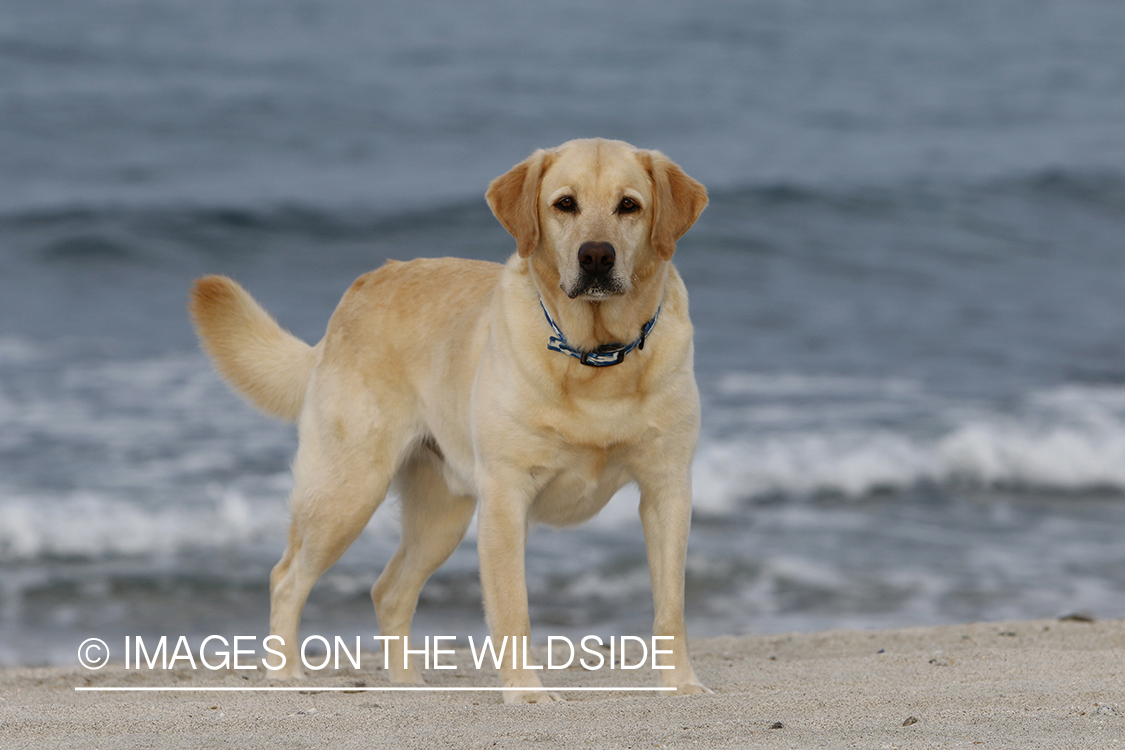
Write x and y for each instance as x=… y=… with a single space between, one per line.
x=605 y=355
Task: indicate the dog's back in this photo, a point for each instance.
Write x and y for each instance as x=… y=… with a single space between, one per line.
x=271 y=367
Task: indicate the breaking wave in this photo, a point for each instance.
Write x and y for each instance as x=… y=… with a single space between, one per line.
x=1069 y=439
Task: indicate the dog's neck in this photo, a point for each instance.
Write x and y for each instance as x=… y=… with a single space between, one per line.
x=590 y=324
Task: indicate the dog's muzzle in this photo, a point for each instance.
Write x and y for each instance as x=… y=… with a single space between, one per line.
x=596 y=276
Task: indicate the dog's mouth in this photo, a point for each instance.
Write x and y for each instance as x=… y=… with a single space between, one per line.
x=595 y=287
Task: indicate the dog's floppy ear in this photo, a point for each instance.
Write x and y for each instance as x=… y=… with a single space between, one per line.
x=514 y=199
x=678 y=202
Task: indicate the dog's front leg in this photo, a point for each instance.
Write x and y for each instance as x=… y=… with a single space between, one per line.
x=666 y=517
x=502 y=543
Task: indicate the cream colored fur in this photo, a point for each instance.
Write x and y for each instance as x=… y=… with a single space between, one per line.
x=436 y=373
x=268 y=365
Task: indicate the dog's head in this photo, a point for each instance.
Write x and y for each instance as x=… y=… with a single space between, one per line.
x=601 y=214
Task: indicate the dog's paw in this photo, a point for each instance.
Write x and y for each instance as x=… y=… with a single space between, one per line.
x=407 y=677
x=285 y=674
x=515 y=697
x=694 y=688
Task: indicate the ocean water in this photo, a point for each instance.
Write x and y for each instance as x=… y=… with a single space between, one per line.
x=908 y=293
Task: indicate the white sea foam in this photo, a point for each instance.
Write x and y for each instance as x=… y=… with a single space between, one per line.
x=154 y=455
x=1070 y=439
x=89 y=525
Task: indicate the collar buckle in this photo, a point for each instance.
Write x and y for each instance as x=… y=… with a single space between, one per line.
x=597 y=358
x=618 y=358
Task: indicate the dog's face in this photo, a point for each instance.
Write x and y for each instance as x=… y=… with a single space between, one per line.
x=595 y=217
x=601 y=214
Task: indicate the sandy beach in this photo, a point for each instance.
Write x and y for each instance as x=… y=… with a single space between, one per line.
x=1034 y=684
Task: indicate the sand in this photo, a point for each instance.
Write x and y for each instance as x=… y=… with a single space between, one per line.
x=1039 y=684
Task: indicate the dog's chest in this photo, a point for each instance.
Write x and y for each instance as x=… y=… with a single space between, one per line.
x=575 y=491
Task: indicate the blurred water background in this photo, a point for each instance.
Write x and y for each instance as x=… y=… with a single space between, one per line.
x=908 y=291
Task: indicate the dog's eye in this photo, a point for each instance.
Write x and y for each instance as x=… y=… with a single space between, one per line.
x=566 y=204
x=627 y=206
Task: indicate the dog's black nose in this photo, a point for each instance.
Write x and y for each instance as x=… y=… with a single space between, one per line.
x=596 y=257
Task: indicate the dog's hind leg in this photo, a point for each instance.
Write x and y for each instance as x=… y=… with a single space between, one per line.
x=342 y=471
x=434 y=521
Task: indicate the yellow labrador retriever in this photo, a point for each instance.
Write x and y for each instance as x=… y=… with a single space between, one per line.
x=537 y=388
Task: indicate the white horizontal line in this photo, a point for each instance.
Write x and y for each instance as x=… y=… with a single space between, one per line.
x=401 y=689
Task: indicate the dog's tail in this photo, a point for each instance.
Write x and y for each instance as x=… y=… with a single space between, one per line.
x=261 y=360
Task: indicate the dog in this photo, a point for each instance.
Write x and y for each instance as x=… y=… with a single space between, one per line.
x=536 y=389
